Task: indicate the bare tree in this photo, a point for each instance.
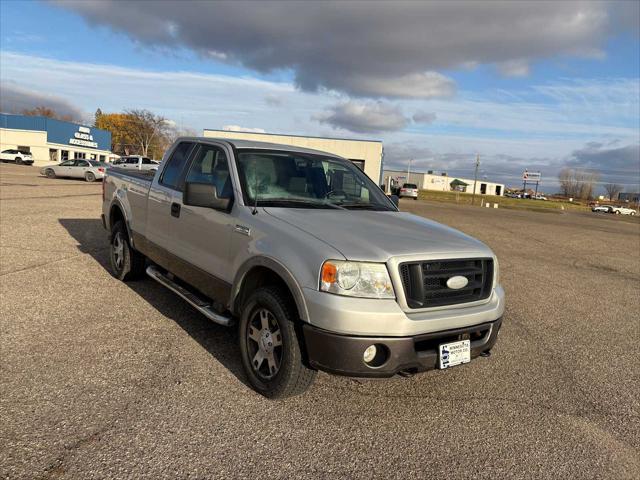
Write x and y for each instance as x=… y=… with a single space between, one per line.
x=613 y=189
x=577 y=183
x=145 y=127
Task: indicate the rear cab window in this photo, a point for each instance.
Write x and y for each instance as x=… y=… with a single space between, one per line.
x=175 y=165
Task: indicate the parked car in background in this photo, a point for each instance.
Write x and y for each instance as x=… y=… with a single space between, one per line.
x=307 y=255
x=602 y=209
x=623 y=211
x=409 y=190
x=17 y=156
x=136 y=162
x=90 y=170
x=540 y=197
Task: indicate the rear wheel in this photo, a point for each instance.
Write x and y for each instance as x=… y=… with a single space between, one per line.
x=89 y=177
x=126 y=263
x=270 y=347
x=50 y=173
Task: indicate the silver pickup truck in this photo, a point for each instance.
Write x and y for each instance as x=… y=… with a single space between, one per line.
x=311 y=260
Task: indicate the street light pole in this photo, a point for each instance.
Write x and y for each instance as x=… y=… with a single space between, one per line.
x=475 y=180
x=409 y=171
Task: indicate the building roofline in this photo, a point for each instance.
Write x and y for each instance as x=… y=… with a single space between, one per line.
x=290 y=135
x=49 y=118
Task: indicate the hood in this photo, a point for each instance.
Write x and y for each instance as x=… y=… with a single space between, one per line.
x=378 y=236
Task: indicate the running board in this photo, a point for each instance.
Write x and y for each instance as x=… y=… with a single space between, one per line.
x=196 y=302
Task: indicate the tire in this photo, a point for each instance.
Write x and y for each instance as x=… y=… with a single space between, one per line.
x=126 y=263
x=50 y=173
x=89 y=177
x=18 y=161
x=617 y=212
x=415 y=198
x=281 y=372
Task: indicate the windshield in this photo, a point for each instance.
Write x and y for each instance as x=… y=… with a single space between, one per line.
x=300 y=180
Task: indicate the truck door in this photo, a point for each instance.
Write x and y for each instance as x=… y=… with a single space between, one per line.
x=159 y=203
x=199 y=235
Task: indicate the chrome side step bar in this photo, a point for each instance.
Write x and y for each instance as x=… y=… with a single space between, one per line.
x=196 y=302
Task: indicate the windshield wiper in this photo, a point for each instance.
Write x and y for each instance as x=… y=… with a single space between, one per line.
x=363 y=206
x=278 y=202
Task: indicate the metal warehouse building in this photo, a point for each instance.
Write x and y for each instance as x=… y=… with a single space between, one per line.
x=50 y=140
x=443 y=182
x=366 y=154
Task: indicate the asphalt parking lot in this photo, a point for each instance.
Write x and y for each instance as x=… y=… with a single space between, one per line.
x=99 y=379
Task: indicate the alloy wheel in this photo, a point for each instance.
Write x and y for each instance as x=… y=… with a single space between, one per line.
x=264 y=344
x=118 y=251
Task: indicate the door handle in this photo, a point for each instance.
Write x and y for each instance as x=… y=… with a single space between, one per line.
x=175 y=210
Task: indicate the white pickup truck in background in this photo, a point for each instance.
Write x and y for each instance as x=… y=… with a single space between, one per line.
x=136 y=162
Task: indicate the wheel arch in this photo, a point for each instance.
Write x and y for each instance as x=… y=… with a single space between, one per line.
x=116 y=213
x=261 y=271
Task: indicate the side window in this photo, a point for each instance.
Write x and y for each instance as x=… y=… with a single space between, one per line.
x=132 y=161
x=211 y=166
x=68 y=163
x=175 y=164
x=146 y=161
x=82 y=163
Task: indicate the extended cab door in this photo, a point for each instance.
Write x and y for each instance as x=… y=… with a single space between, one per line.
x=159 y=204
x=201 y=235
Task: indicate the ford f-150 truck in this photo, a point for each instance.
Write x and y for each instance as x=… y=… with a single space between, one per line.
x=315 y=265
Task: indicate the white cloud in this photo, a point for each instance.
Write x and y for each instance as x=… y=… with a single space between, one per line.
x=364 y=117
x=514 y=68
x=424 y=117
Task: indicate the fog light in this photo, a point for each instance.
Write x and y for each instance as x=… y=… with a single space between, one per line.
x=370 y=353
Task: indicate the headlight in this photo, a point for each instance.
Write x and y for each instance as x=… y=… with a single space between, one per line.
x=356 y=279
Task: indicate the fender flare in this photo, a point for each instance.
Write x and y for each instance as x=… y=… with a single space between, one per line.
x=278 y=268
x=117 y=203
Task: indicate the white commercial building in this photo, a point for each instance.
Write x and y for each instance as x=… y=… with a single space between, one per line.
x=366 y=154
x=443 y=182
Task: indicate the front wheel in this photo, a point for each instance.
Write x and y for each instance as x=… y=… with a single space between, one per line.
x=18 y=161
x=270 y=347
x=50 y=173
x=126 y=263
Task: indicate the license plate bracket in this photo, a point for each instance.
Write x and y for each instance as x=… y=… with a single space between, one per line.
x=454 y=353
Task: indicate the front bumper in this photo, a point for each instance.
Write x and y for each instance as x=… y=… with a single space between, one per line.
x=342 y=354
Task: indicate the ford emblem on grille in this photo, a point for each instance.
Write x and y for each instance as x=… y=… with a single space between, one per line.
x=457 y=282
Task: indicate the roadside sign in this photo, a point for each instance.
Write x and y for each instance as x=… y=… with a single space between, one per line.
x=531 y=176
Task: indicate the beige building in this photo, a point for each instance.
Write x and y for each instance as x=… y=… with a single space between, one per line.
x=443 y=182
x=366 y=154
x=51 y=141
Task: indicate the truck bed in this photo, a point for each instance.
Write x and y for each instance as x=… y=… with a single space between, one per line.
x=146 y=175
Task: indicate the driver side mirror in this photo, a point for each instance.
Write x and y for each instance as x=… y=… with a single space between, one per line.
x=204 y=195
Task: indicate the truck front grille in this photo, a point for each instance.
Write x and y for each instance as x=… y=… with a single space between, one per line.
x=425 y=283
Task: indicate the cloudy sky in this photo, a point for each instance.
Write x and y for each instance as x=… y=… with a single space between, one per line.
x=537 y=85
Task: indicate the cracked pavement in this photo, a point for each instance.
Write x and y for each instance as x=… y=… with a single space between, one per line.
x=100 y=379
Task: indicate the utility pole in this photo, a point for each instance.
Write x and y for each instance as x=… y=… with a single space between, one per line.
x=409 y=171
x=475 y=180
